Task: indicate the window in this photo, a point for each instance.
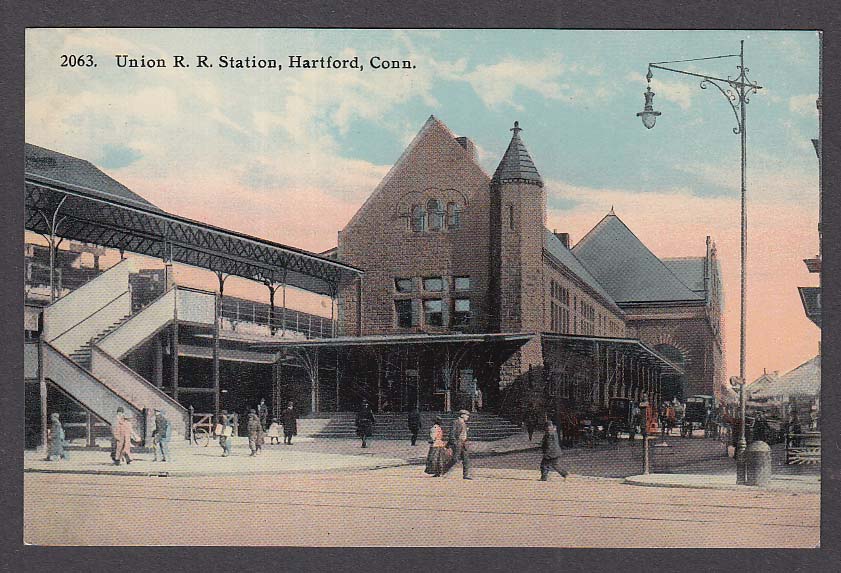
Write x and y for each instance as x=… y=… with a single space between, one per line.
x=461 y=312
x=436 y=214
x=418 y=218
x=433 y=284
x=510 y=216
x=462 y=283
x=404 y=313
x=404 y=285
x=433 y=312
x=453 y=216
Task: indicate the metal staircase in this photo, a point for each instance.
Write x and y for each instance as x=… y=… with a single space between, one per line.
x=92 y=328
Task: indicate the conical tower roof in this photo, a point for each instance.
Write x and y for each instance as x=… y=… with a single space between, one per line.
x=516 y=165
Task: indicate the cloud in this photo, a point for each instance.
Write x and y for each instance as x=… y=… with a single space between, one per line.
x=497 y=84
x=674 y=91
x=803 y=105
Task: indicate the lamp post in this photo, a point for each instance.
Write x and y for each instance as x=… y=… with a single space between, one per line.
x=736 y=91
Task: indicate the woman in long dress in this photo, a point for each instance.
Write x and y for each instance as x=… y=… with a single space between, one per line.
x=56 y=440
x=439 y=455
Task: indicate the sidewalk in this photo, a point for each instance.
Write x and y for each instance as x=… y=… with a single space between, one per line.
x=805 y=484
x=305 y=455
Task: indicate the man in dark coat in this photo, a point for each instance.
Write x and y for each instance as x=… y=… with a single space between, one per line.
x=551 y=453
x=531 y=421
x=263 y=413
x=414 y=425
x=255 y=431
x=458 y=442
x=365 y=423
x=290 y=423
x=761 y=429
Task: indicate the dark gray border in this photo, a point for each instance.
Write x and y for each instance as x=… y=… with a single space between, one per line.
x=653 y=14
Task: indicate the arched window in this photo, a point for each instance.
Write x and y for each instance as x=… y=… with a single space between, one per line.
x=436 y=214
x=418 y=218
x=453 y=216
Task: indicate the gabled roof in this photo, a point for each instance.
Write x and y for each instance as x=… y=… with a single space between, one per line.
x=805 y=380
x=516 y=165
x=49 y=164
x=624 y=266
x=690 y=271
x=557 y=249
x=442 y=138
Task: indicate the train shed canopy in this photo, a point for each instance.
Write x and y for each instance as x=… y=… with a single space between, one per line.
x=87 y=205
x=630 y=346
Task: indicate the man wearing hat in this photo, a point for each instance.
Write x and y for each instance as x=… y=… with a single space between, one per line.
x=161 y=436
x=458 y=441
x=365 y=423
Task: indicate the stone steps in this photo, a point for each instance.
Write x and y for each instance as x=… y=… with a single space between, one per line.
x=482 y=427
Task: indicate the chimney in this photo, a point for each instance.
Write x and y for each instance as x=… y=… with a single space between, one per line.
x=468 y=146
x=564 y=237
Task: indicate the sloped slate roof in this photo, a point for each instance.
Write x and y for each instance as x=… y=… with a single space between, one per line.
x=626 y=268
x=690 y=271
x=516 y=164
x=57 y=166
x=803 y=380
x=557 y=249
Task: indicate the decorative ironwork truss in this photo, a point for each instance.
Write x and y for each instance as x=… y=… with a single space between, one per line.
x=90 y=218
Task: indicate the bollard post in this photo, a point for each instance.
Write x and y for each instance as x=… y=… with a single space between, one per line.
x=758 y=464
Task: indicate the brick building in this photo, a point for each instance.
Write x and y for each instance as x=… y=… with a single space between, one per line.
x=448 y=250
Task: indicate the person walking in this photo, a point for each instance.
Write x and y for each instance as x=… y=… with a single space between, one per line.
x=290 y=423
x=438 y=457
x=255 y=431
x=273 y=433
x=551 y=453
x=161 y=436
x=56 y=440
x=120 y=414
x=414 y=422
x=531 y=421
x=458 y=442
x=365 y=423
x=226 y=432
x=123 y=434
x=263 y=413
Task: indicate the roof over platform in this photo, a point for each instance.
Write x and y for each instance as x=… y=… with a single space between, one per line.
x=636 y=348
x=517 y=339
x=94 y=208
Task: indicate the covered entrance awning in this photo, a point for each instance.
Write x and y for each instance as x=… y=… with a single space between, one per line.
x=606 y=368
x=631 y=346
x=449 y=352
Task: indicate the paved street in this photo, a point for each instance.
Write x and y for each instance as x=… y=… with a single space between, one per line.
x=403 y=507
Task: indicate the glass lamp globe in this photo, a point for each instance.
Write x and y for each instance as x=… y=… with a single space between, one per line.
x=648 y=115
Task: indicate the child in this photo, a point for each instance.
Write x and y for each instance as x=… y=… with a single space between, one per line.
x=551 y=453
x=273 y=433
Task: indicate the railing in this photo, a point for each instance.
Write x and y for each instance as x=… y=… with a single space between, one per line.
x=134 y=387
x=83 y=386
x=71 y=311
x=804 y=448
x=238 y=313
x=140 y=326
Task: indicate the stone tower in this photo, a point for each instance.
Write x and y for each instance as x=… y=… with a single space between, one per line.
x=518 y=219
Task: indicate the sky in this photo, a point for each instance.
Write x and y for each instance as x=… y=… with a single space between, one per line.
x=290 y=155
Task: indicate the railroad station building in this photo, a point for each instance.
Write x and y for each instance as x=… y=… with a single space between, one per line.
x=445 y=281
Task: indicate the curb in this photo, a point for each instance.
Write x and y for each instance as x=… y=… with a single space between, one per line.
x=641 y=481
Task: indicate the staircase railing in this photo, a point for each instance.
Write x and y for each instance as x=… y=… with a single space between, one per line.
x=131 y=385
x=83 y=386
x=90 y=309
x=140 y=327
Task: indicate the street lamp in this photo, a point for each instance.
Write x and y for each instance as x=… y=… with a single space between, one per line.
x=733 y=90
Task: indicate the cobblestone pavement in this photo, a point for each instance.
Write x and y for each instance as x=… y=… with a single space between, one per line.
x=403 y=507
